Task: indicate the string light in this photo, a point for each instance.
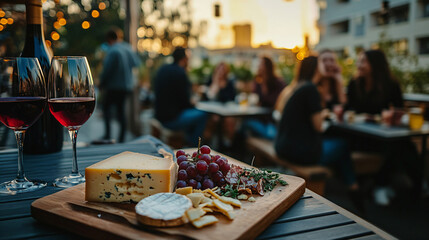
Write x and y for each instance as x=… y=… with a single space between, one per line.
x=55 y=36
x=140 y=32
x=86 y=25
x=95 y=14
x=57 y=25
x=10 y=21
x=48 y=43
x=62 y=21
x=3 y=21
x=60 y=14
x=1 y=28
x=102 y=6
x=2 y=13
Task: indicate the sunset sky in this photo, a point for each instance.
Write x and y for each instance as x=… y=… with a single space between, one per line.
x=278 y=21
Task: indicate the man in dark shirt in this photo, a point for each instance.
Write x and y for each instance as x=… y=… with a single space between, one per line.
x=173 y=107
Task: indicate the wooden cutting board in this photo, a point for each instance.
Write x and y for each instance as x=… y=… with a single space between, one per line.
x=68 y=210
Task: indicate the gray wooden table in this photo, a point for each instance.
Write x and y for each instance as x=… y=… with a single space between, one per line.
x=311 y=217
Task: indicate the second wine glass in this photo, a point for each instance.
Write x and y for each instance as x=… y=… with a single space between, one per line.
x=71 y=100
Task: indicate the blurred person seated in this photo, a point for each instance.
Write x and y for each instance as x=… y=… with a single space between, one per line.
x=373 y=90
x=173 y=106
x=220 y=88
x=268 y=87
x=331 y=85
x=299 y=138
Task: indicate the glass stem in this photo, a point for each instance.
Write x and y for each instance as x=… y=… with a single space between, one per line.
x=73 y=136
x=19 y=135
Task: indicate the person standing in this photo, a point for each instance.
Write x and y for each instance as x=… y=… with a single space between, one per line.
x=117 y=79
x=173 y=106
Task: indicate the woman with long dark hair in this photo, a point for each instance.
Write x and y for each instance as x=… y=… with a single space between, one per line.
x=299 y=137
x=374 y=88
x=268 y=88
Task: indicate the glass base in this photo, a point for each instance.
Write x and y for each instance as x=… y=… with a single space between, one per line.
x=69 y=181
x=13 y=187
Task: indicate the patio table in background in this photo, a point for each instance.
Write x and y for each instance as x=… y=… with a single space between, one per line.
x=311 y=217
x=388 y=134
x=231 y=109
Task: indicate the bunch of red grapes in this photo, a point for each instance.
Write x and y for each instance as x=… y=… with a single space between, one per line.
x=201 y=170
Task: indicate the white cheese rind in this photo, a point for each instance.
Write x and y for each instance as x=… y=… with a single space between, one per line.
x=163 y=209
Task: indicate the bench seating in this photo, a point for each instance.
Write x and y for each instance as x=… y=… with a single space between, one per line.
x=315 y=175
x=175 y=139
x=365 y=163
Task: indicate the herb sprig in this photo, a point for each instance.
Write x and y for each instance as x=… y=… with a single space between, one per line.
x=269 y=181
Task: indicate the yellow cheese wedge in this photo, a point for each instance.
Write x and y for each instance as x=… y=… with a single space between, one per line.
x=129 y=177
x=204 y=221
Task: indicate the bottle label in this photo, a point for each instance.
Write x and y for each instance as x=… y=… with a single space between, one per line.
x=34 y=12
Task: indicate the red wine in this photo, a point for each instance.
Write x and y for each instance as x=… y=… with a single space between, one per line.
x=72 y=112
x=46 y=135
x=19 y=113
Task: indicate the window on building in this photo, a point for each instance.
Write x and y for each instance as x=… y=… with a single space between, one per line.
x=359 y=26
x=340 y=27
x=379 y=19
x=423 y=45
x=401 y=46
x=400 y=14
x=397 y=14
x=423 y=8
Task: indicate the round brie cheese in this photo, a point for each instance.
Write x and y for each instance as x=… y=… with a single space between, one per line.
x=163 y=210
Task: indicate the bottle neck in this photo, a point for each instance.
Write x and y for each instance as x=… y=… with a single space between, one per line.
x=34 y=13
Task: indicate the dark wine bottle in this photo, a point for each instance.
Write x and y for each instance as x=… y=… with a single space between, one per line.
x=46 y=135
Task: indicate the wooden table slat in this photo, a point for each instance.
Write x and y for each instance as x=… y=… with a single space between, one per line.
x=353 y=230
x=369 y=237
x=15 y=209
x=29 y=196
x=24 y=228
x=305 y=208
x=311 y=224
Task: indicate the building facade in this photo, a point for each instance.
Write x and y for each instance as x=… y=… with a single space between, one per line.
x=349 y=26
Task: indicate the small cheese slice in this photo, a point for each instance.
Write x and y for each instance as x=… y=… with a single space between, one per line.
x=163 y=210
x=232 y=201
x=129 y=177
x=204 y=221
x=184 y=191
x=195 y=213
x=196 y=198
x=222 y=206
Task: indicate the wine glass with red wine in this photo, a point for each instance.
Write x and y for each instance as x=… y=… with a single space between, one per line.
x=22 y=101
x=71 y=100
